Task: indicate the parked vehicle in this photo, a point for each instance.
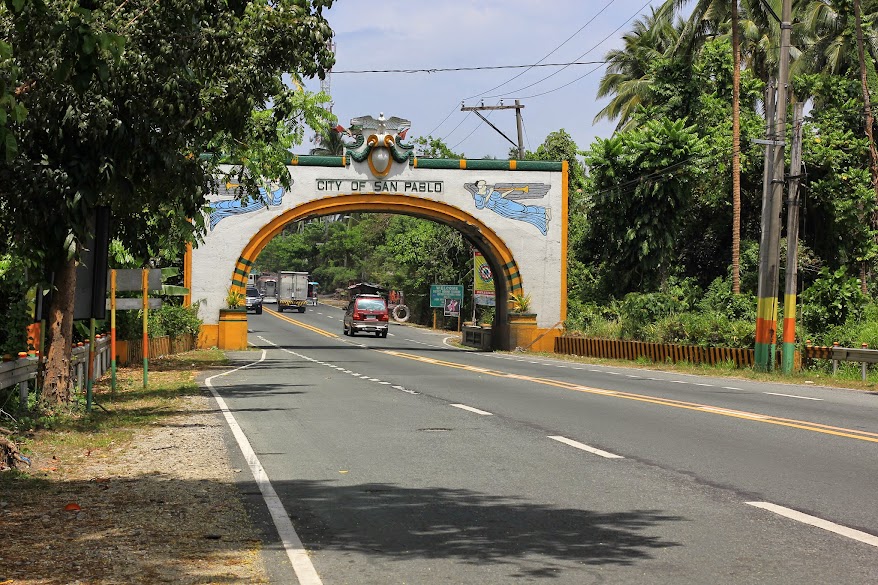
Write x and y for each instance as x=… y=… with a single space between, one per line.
x=292 y=290
x=254 y=300
x=366 y=313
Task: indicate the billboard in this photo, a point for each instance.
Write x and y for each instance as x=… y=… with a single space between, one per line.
x=483 y=285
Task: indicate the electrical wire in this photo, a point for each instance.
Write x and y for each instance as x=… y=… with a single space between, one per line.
x=454 y=109
x=537 y=64
x=478 y=125
x=598 y=44
x=475 y=68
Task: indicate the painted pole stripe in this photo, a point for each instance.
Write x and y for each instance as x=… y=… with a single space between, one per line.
x=851 y=533
x=471 y=409
x=304 y=569
x=584 y=447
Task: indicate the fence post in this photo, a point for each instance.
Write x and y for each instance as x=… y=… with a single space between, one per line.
x=22 y=387
x=863 y=366
x=834 y=361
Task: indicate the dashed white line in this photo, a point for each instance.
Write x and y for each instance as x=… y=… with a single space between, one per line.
x=471 y=409
x=851 y=533
x=792 y=396
x=730 y=388
x=584 y=447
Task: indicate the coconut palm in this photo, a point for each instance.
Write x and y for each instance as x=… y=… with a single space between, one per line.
x=330 y=144
x=629 y=70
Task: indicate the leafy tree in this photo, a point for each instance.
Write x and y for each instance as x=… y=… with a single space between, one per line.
x=641 y=187
x=121 y=100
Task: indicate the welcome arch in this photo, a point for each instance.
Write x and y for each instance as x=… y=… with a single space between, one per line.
x=514 y=212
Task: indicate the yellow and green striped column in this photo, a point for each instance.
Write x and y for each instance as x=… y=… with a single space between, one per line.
x=766 y=332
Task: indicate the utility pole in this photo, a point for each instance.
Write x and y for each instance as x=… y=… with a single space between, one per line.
x=789 y=303
x=517 y=107
x=769 y=245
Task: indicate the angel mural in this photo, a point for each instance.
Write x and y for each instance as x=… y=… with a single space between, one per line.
x=220 y=210
x=503 y=199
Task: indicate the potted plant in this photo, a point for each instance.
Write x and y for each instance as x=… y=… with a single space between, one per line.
x=519 y=303
x=234 y=299
x=232 y=332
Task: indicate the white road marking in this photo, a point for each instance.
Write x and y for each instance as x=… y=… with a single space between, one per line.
x=471 y=409
x=596 y=390
x=792 y=396
x=851 y=533
x=585 y=447
x=700 y=384
x=730 y=388
x=733 y=412
x=388 y=383
x=304 y=569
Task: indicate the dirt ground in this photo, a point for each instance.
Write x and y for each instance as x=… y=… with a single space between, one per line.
x=161 y=509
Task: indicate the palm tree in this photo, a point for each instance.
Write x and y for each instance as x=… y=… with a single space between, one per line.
x=706 y=20
x=629 y=70
x=839 y=47
x=330 y=144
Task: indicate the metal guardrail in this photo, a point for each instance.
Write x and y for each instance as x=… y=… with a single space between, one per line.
x=24 y=369
x=837 y=354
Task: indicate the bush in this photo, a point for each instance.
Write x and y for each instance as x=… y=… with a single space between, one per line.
x=719 y=298
x=833 y=299
x=173 y=320
x=15 y=311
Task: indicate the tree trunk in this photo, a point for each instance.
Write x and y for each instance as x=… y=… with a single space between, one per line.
x=59 y=337
x=873 y=153
x=736 y=153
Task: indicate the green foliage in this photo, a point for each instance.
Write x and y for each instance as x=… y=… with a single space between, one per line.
x=15 y=310
x=169 y=319
x=638 y=310
x=641 y=186
x=719 y=299
x=834 y=298
x=519 y=303
x=173 y=320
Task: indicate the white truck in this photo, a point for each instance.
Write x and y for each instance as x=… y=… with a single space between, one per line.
x=292 y=290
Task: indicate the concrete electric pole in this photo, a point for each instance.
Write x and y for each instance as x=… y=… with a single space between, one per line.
x=517 y=108
x=769 y=244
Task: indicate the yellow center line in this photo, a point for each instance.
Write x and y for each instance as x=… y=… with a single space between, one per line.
x=300 y=324
x=762 y=418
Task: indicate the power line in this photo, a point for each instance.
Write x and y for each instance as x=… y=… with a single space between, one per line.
x=476 y=68
x=648 y=2
x=538 y=63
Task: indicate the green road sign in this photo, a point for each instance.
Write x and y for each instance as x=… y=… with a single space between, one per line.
x=440 y=292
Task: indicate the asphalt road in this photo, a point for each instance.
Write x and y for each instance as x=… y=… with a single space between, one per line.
x=405 y=460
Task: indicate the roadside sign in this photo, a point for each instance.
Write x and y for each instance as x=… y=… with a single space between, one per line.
x=440 y=292
x=134 y=304
x=452 y=307
x=132 y=279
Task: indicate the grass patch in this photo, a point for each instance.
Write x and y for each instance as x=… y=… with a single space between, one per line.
x=70 y=432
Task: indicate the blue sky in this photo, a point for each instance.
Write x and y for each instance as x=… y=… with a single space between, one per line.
x=396 y=34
